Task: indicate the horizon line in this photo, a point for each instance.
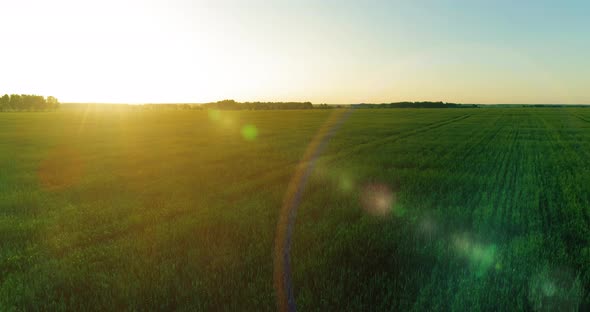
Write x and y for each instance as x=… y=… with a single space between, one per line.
x=356 y=103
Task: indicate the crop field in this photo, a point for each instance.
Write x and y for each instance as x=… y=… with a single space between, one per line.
x=403 y=209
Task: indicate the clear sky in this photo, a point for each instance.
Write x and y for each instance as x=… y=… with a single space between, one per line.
x=138 y=51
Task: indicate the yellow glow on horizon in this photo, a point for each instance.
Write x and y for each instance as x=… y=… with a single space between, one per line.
x=126 y=52
x=179 y=51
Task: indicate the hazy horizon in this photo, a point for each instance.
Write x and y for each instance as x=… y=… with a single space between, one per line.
x=181 y=51
x=314 y=103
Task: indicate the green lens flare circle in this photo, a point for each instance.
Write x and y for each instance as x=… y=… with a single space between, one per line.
x=249 y=132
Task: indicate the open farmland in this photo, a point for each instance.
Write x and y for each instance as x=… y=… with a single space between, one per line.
x=423 y=209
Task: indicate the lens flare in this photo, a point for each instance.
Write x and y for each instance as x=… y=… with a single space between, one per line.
x=377 y=199
x=214 y=114
x=285 y=226
x=427 y=226
x=555 y=289
x=481 y=256
x=249 y=132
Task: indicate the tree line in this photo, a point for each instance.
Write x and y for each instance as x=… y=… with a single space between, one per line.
x=219 y=105
x=414 y=105
x=27 y=102
x=233 y=105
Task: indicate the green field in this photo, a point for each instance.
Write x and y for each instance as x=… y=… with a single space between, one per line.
x=406 y=209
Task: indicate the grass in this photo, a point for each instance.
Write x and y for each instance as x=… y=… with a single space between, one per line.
x=487 y=209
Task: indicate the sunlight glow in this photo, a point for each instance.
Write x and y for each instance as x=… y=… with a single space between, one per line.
x=126 y=52
x=182 y=51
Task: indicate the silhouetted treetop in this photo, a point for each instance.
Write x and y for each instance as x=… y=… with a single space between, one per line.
x=27 y=102
x=413 y=105
x=233 y=105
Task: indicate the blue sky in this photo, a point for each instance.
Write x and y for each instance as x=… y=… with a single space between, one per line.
x=321 y=51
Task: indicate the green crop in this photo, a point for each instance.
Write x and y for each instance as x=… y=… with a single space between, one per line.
x=406 y=209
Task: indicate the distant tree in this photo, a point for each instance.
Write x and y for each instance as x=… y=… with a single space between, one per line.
x=5 y=102
x=412 y=105
x=228 y=104
x=20 y=102
x=27 y=102
x=52 y=103
x=38 y=102
x=32 y=102
x=16 y=102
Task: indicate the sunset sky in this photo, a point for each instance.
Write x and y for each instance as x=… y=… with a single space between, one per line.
x=132 y=51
